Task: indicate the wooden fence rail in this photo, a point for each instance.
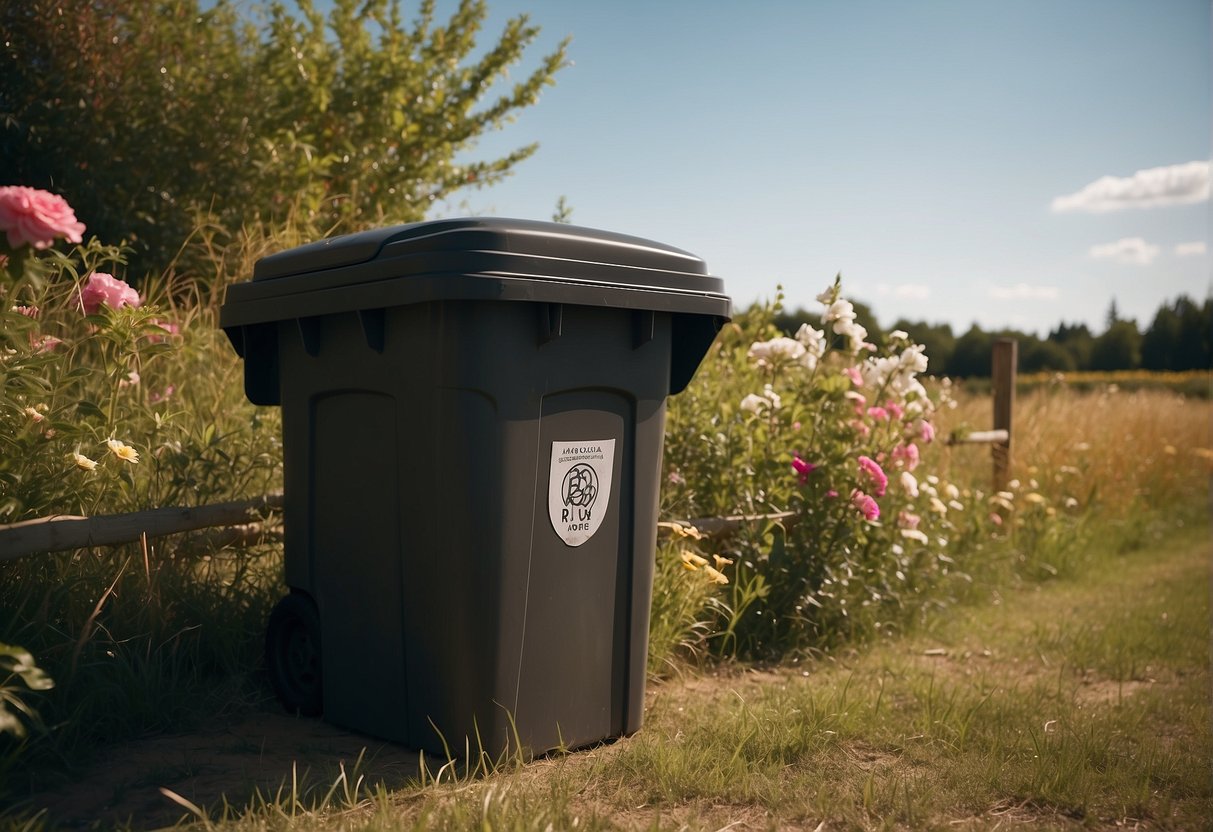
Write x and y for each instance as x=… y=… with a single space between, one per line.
x=55 y=534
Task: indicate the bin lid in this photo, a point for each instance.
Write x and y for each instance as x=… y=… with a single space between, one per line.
x=474 y=258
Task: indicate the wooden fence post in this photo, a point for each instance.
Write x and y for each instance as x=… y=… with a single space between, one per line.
x=1002 y=378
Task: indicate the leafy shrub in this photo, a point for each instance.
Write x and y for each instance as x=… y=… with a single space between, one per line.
x=168 y=110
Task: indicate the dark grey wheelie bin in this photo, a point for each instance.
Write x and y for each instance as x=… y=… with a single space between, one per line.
x=472 y=414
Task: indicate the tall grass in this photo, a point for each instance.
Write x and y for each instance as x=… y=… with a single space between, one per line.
x=1116 y=452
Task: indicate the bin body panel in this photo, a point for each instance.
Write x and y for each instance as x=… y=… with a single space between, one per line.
x=425 y=415
x=357 y=553
x=573 y=676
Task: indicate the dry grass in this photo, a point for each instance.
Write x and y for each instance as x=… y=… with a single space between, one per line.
x=1112 y=450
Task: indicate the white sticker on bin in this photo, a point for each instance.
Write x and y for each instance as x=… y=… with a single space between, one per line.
x=579 y=487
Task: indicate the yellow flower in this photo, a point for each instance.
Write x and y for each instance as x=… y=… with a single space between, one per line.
x=691 y=560
x=715 y=575
x=722 y=562
x=122 y=450
x=681 y=529
x=1033 y=497
x=83 y=462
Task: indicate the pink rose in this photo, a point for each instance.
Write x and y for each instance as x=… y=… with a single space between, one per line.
x=854 y=375
x=29 y=215
x=908 y=520
x=878 y=414
x=870 y=469
x=866 y=505
x=106 y=290
x=895 y=410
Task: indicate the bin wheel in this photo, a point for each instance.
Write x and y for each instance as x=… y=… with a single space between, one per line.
x=292 y=654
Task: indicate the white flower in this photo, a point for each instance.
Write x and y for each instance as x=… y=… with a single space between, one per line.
x=915 y=534
x=122 y=450
x=83 y=462
x=909 y=484
x=840 y=311
x=855 y=334
x=937 y=506
x=753 y=403
x=952 y=492
x=814 y=341
x=827 y=297
x=771 y=396
x=776 y=350
x=914 y=358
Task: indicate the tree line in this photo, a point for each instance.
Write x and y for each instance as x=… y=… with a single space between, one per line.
x=1180 y=337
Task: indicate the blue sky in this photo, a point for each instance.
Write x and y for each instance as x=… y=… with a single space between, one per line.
x=934 y=153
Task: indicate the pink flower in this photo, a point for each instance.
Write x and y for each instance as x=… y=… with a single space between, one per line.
x=106 y=290
x=27 y=311
x=29 y=215
x=156 y=398
x=895 y=410
x=871 y=469
x=860 y=427
x=996 y=519
x=866 y=505
x=906 y=455
x=44 y=343
x=908 y=520
x=802 y=468
x=878 y=413
x=831 y=494
x=169 y=329
x=927 y=432
x=854 y=375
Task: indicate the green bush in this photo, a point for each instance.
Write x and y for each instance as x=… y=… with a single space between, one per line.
x=148 y=115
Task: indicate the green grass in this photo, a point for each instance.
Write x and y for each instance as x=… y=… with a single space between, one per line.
x=1078 y=703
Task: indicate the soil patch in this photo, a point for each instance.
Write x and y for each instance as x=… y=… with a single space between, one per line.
x=266 y=751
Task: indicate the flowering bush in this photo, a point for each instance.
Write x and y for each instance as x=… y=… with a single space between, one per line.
x=817 y=439
x=95 y=378
x=113 y=401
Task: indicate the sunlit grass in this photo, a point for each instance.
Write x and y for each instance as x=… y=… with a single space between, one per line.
x=1005 y=712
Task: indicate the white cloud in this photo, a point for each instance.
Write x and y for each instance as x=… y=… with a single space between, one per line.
x=1170 y=185
x=1133 y=250
x=1022 y=291
x=1190 y=249
x=909 y=291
